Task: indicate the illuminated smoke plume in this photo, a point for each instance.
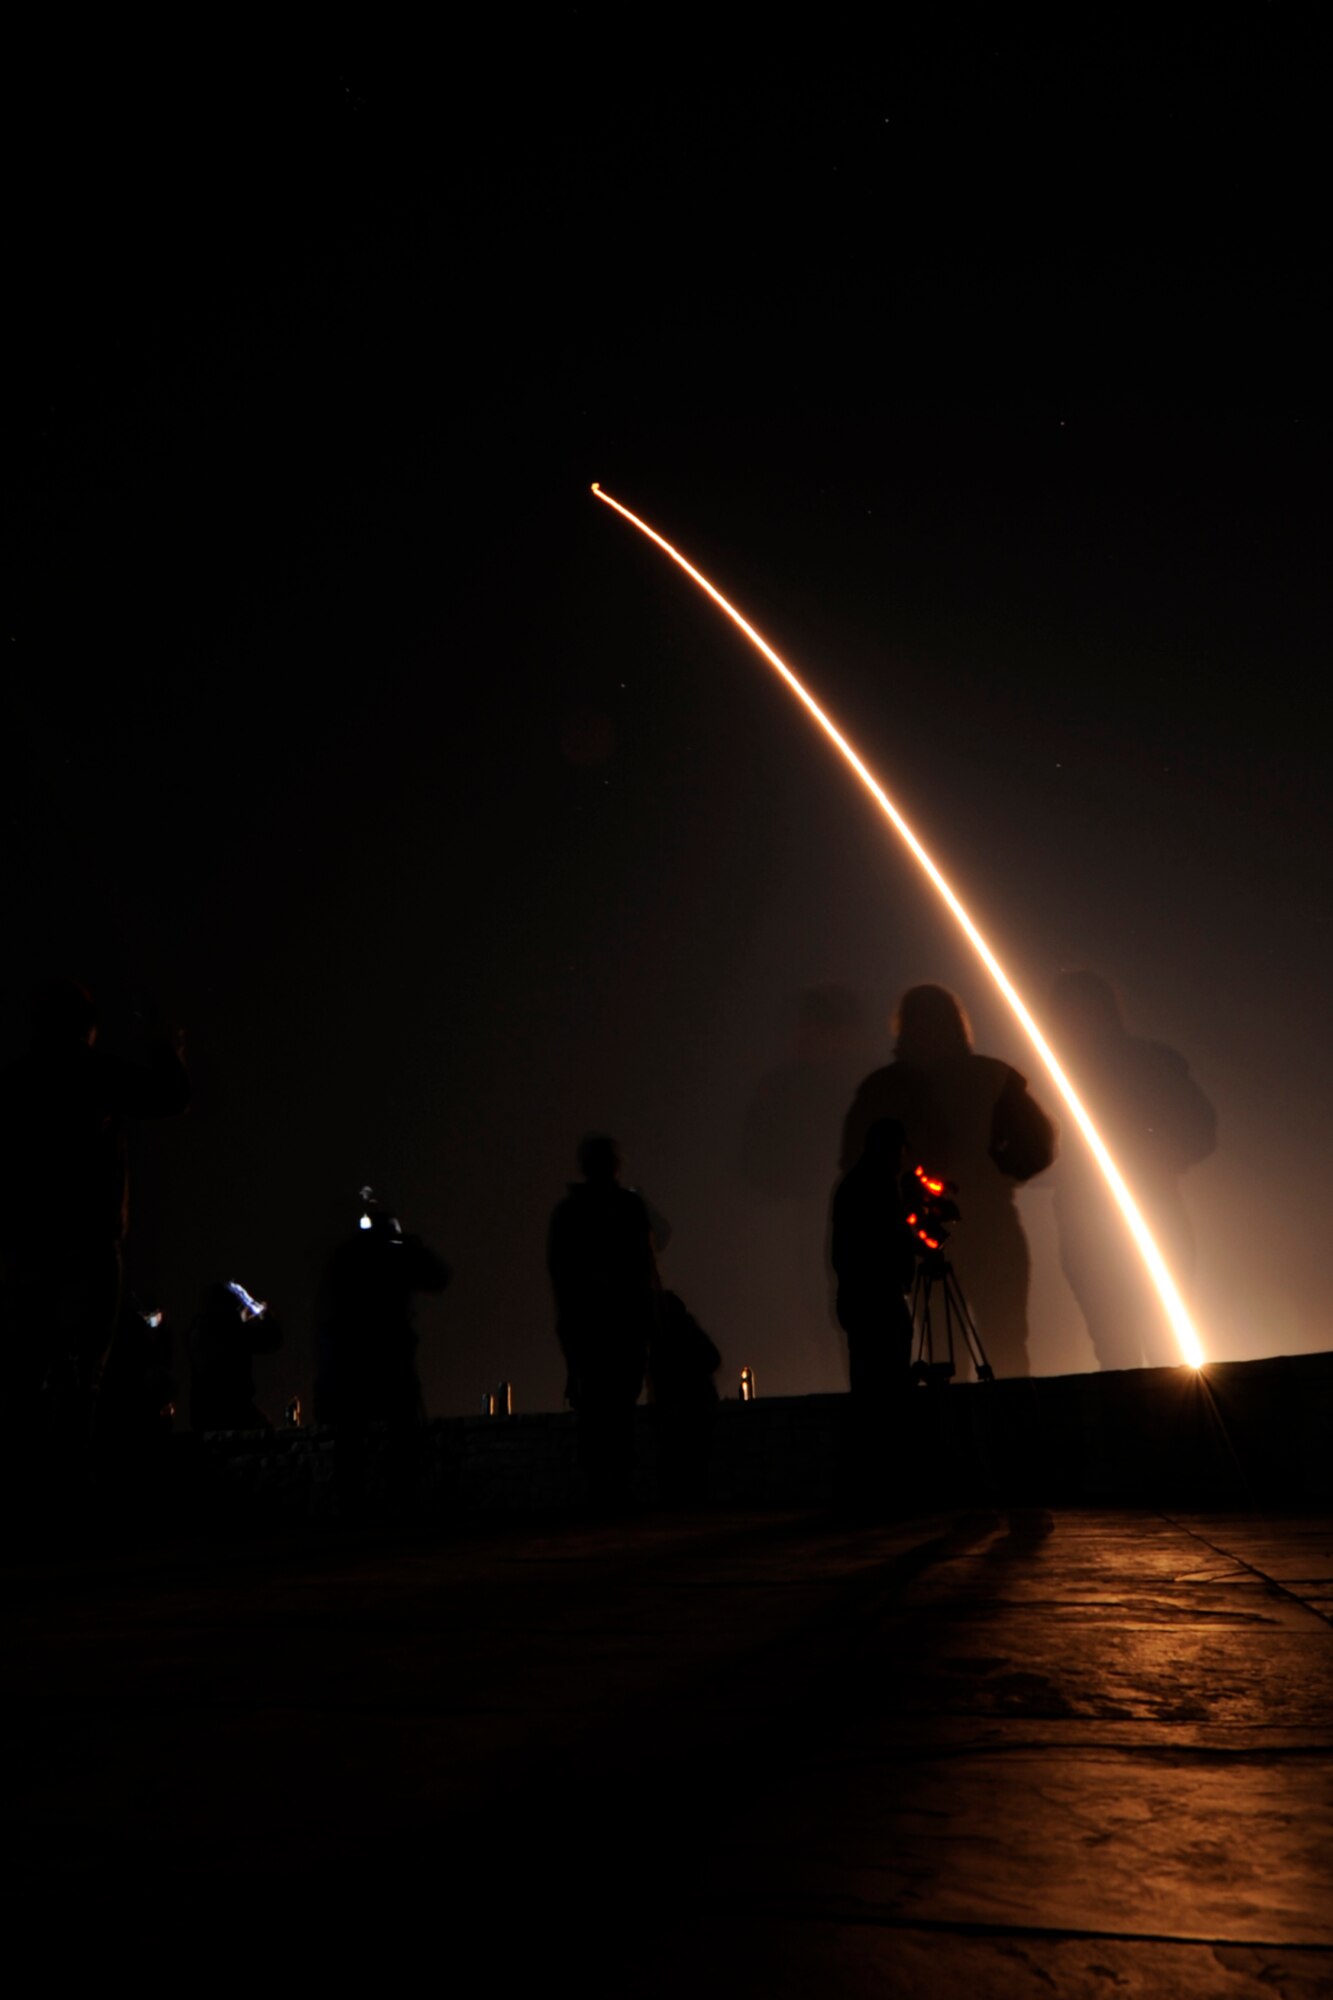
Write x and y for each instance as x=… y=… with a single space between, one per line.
x=1172 y=1304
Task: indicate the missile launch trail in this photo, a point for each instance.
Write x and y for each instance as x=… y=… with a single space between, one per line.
x=1172 y=1304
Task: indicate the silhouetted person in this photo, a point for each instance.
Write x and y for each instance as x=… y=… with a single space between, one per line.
x=226 y=1333
x=136 y=1404
x=682 y=1362
x=136 y=1411
x=968 y=1119
x=367 y=1347
x=874 y=1257
x=603 y=1270
x=1157 y=1123
x=64 y=1197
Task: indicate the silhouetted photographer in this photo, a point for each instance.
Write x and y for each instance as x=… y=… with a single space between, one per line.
x=601 y=1258
x=970 y=1120
x=65 y=1107
x=137 y=1402
x=367 y=1351
x=226 y=1333
x=367 y=1335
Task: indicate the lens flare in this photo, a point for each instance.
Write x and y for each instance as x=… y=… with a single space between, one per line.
x=1172 y=1303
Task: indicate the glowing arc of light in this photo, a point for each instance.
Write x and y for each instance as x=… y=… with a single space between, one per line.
x=1172 y=1303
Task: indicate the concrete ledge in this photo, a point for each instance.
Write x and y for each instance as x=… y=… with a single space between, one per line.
x=1252 y=1432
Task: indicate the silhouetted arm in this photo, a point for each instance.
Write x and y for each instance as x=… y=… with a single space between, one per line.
x=1023 y=1138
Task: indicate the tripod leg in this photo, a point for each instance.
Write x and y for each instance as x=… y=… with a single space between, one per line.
x=949 y=1309
x=954 y=1293
x=921 y=1317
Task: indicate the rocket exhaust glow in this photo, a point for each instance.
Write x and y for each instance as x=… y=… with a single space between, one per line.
x=1172 y=1304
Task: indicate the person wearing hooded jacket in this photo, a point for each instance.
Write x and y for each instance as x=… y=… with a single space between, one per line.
x=969 y=1119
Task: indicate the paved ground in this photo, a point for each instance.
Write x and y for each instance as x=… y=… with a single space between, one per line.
x=1077 y=1754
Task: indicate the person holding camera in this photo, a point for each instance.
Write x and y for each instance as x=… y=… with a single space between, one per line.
x=970 y=1120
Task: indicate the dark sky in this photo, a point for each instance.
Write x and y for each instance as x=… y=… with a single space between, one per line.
x=987 y=369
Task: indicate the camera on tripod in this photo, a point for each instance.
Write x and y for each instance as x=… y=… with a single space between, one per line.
x=931 y=1212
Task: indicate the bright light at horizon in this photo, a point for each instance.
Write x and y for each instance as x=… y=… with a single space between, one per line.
x=1181 y=1325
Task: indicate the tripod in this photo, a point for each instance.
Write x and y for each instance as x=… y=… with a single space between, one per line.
x=935 y=1272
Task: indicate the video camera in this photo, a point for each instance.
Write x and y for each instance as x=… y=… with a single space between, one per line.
x=373 y=1217
x=931 y=1211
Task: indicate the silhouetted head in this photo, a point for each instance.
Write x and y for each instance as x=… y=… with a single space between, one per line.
x=884 y=1144
x=930 y=1026
x=63 y=1014
x=1084 y=1007
x=599 y=1157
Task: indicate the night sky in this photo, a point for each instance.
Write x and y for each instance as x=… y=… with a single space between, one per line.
x=985 y=367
